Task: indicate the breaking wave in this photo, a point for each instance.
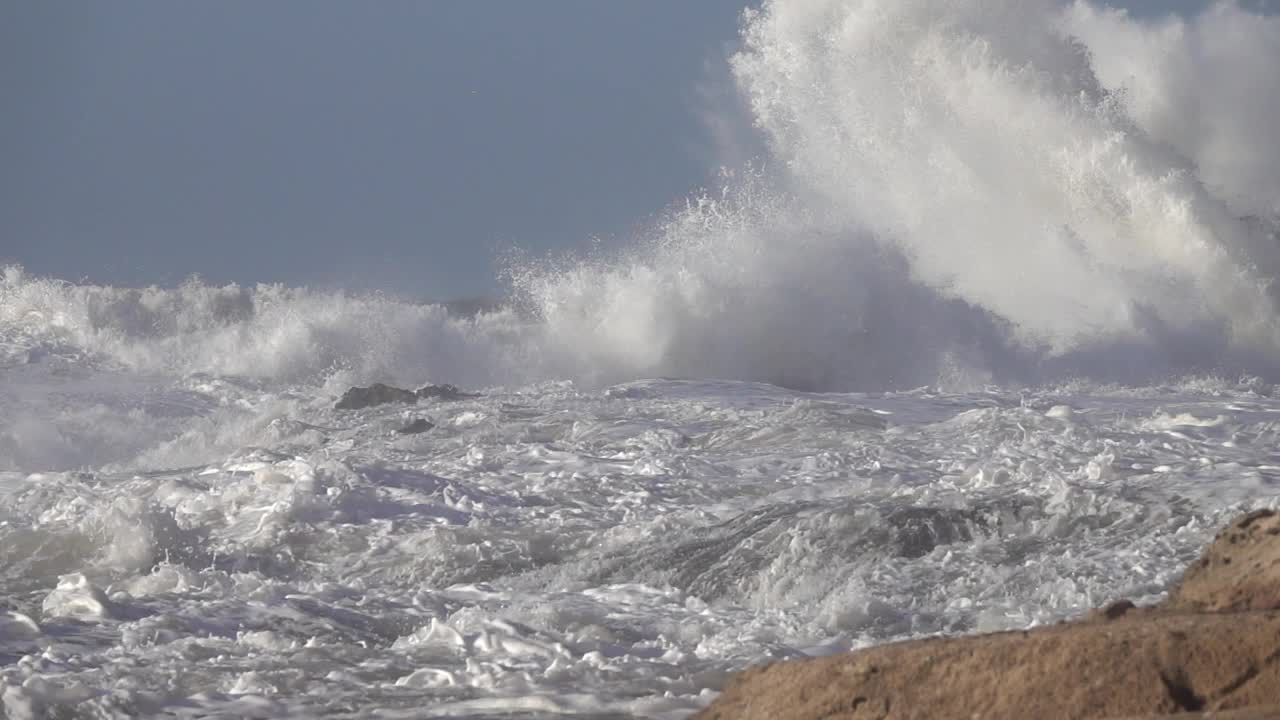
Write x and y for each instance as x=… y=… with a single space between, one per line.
x=974 y=191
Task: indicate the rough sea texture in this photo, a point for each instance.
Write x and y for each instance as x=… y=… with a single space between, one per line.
x=551 y=550
x=983 y=342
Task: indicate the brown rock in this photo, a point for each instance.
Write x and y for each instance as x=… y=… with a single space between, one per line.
x=1259 y=712
x=1212 y=651
x=1146 y=666
x=1114 y=611
x=1239 y=571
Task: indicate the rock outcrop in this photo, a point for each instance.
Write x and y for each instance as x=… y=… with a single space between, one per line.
x=358 y=398
x=1239 y=571
x=1211 y=650
x=444 y=393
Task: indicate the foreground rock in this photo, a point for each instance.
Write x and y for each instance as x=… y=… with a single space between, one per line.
x=358 y=398
x=1213 y=646
x=1239 y=571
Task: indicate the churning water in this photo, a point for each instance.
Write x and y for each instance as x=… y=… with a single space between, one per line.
x=984 y=340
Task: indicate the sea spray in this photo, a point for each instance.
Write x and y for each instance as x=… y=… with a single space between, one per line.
x=974 y=186
x=1010 y=191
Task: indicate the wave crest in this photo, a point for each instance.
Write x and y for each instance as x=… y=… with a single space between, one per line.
x=979 y=190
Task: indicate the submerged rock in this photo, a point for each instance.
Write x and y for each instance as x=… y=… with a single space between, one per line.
x=916 y=531
x=732 y=558
x=419 y=425
x=1214 y=646
x=358 y=398
x=445 y=393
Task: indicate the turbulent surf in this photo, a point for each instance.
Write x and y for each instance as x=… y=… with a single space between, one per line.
x=984 y=338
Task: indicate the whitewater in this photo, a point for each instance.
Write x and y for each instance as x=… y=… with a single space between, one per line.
x=985 y=338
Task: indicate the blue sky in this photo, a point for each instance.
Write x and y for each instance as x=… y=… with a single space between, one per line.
x=398 y=145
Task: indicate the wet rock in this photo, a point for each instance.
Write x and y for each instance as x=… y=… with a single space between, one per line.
x=727 y=559
x=443 y=393
x=1213 y=647
x=358 y=398
x=420 y=425
x=1114 y=611
x=916 y=531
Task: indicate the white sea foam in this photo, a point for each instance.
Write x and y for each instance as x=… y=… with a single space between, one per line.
x=1015 y=208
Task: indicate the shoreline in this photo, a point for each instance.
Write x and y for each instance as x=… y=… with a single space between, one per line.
x=1213 y=646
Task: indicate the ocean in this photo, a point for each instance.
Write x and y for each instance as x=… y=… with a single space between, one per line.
x=985 y=339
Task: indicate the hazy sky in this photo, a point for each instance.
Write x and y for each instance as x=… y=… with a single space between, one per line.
x=389 y=144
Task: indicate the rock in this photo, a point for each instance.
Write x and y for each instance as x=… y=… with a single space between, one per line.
x=358 y=398
x=1114 y=611
x=1125 y=667
x=1239 y=571
x=1213 y=646
x=444 y=393
x=419 y=425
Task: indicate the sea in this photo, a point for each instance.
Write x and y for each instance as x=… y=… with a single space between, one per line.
x=983 y=338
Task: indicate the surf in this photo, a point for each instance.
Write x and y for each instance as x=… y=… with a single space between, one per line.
x=987 y=192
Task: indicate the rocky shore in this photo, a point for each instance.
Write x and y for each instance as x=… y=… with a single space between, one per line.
x=1212 y=649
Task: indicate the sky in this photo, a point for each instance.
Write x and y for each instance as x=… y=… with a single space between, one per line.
x=399 y=145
